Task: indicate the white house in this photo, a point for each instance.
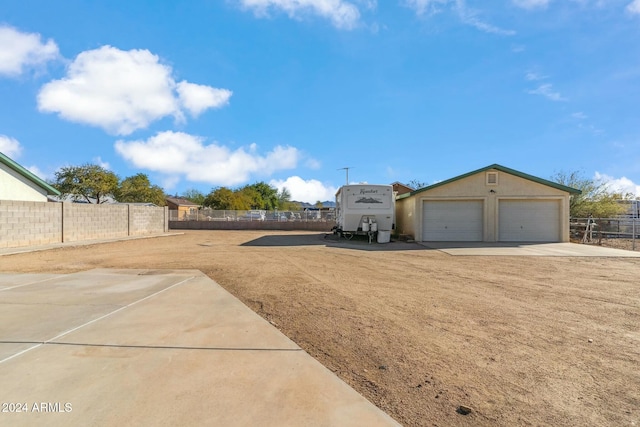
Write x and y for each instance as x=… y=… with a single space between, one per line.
x=17 y=183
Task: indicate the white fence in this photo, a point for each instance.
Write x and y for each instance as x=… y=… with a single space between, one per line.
x=613 y=231
x=206 y=214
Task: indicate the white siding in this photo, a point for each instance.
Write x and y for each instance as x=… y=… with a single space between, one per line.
x=14 y=186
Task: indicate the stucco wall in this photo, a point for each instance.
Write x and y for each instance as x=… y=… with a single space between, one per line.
x=39 y=223
x=475 y=187
x=14 y=186
x=405 y=217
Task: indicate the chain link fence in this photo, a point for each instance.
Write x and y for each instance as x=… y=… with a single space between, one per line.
x=206 y=214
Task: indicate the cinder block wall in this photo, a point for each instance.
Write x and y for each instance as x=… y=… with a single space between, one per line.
x=29 y=223
x=89 y=222
x=41 y=223
x=145 y=220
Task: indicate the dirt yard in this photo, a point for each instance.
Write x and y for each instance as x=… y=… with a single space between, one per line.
x=523 y=341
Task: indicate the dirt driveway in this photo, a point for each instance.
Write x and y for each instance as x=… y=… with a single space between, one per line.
x=519 y=340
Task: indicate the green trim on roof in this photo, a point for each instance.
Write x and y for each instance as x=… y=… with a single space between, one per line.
x=29 y=175
x=498 y=168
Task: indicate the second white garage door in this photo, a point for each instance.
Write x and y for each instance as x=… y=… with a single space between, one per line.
x=452 y=221
x=529 y=221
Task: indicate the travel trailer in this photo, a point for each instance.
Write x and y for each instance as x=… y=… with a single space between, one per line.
x=365 y=209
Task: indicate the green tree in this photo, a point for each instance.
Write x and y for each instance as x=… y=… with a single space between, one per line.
x=595 y=198
x=88 y=182
x=261 y=195
x=194 y=196
x=224 y=198
x=284 y=201
x=284 y=197
x=319 y=204
x=250 y=197
x=138 y=189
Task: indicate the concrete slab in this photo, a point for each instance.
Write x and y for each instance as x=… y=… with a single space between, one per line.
x=528 y=249
x=8 y=280
x=158 y=348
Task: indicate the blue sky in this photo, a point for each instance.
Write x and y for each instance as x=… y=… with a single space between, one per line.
x=201 y=93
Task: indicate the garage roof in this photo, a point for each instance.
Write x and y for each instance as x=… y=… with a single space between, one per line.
x=500 y=168
x=28 y=175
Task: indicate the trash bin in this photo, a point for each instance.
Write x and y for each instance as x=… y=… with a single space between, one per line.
x=384 y=236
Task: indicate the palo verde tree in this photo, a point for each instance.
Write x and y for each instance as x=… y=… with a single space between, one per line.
x=595 y=199
x=138 y=189
x=91 y=183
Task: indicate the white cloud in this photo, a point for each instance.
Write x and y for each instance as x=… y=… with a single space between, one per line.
x=620 y=185
x=178 y=154
x=312 y=163
x=98 y=161
x=531 y=76
x=531 y=4
x=198 y=98
x=426 y=7
x=10 y=146
x=309 y=191
x=634 y=7
x=342 y=14
x=470 y=17
x=122 y=91
x=37 y=172
x=467 y=15
x=547 y=91
x=579 y=115
x=21 y=50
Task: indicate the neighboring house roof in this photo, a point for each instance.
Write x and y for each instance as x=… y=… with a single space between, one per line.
x=135 y=204
x=401 y=188
x=501 y=169
x=28 y=175
x=180 y=202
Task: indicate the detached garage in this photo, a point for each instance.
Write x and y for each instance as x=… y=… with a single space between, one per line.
x=492 y=204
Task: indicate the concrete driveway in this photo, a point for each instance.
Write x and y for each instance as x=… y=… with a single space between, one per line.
x=528 y=249
x=156 y=347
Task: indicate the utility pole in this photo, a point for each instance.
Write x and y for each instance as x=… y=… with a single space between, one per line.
x=346 y=169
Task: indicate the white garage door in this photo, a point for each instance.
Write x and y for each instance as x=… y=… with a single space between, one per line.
x=529 y=221
x=452 y=221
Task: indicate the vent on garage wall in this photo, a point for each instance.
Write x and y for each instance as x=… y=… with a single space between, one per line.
x=492 y=178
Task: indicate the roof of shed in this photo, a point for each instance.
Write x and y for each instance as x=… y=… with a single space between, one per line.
x=500 y=168
x=180 y=201
x=27 y=174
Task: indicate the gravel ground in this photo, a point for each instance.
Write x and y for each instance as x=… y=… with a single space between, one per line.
x=517 y=340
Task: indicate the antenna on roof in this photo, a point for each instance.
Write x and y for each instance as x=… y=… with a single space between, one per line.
x=346 y=169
